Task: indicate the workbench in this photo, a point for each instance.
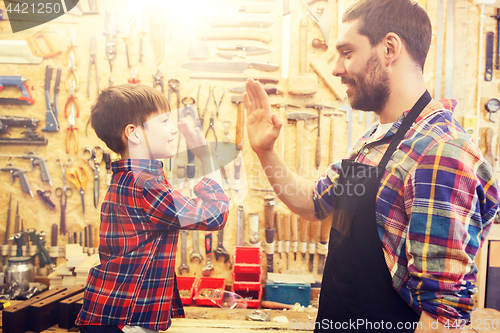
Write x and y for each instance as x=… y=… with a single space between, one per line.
x=217 y=320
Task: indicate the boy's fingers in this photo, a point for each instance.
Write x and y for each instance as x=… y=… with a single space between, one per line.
x=253 y=93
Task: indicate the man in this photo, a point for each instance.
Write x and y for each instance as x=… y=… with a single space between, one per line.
x=412 y=203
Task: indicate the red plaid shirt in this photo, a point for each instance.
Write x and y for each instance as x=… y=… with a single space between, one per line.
x=135 y=283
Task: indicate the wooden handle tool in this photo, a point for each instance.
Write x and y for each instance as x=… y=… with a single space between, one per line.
x=269 y=225
x=303 y=228
x=294 y=235
x=314 y=227
x=286 y=235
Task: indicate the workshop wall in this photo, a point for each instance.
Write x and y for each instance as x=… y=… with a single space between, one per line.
x=180 y=45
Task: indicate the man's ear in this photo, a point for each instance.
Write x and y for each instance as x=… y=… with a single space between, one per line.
x=131 y=133
x=392 y=45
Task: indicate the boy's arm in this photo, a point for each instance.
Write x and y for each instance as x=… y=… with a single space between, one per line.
x=170 y=209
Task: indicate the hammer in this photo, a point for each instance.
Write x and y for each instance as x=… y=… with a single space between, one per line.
x=282 y=132
x=299 y=117
x=240 y=120
x=318 y=146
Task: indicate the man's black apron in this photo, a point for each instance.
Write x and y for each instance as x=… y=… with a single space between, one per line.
x=357 y=287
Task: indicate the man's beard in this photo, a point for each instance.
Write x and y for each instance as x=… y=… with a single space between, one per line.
x=369 y=89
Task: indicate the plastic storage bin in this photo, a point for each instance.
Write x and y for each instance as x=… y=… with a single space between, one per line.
x=288 y=293
x=209 y=283
x=247 y=259
x=186 y=283
x=247 y=274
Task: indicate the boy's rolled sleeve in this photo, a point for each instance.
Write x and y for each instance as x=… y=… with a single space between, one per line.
x=453 y=198
x=168 y=208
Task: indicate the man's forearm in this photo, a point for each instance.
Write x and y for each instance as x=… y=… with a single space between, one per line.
x=294 y=191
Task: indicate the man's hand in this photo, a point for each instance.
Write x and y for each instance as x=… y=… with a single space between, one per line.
x=263 y=126
x=195 y=140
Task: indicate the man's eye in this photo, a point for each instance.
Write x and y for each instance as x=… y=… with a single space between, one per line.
x=346 y=53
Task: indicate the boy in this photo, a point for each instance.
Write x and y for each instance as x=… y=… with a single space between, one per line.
x=134 y=287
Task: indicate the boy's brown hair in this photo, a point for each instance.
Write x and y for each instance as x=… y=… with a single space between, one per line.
x=118 y=106
x=405 y=18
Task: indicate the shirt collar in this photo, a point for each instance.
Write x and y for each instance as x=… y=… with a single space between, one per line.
x=448 y=104
x=153 y=167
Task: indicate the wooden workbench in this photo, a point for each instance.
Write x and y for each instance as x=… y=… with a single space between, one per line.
x=216 y=320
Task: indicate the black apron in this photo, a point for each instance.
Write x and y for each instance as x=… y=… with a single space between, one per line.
x=356 y=291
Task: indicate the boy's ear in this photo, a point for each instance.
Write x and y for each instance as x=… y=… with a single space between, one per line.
x=132 y=134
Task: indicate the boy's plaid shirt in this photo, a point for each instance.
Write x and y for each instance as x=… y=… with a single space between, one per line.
x=435 y=205
x=135 y=283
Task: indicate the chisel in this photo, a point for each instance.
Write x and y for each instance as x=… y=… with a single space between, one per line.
x=278 y=218
x=303 y=228
x=293 y=236
x=313 y=237
x=322 y=249
x=286 y=235
x=269 y=225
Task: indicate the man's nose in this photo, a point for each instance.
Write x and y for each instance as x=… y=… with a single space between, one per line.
x=338 y=68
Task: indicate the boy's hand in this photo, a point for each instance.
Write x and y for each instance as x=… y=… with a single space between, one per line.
x=263 y=125
x=195 y=140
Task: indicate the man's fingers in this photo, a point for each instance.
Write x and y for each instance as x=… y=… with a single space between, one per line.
x=248 y=105
x=253 y=90
x=277 y=122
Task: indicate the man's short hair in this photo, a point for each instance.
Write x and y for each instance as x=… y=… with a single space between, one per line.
x=118 y=106
x=406 y=18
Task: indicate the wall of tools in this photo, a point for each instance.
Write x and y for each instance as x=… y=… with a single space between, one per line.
x=199 y=54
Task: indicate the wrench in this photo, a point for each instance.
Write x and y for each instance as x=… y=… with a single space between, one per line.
x=183 y=252
x=221 y=251
x=209 y=267
x=196 y=248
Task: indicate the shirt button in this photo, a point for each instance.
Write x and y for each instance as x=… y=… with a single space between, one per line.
x=366 y=150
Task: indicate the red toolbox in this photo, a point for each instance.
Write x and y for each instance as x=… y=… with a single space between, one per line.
x=209 y=283
x=186 y=283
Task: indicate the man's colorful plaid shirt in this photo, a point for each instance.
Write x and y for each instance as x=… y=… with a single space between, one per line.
x=435 y=205
x=135 y=283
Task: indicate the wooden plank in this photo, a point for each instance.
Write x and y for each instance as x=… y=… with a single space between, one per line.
x=46 y=312
x=67 y=311
x=15 y=318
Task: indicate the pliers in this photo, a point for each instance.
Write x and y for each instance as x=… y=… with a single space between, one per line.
x=111 y=41
x=72 y=72
x=174 y=86
x=158 y=80
x=200 y=114
x=211 y=126
x=72 y=100
x=217 y=104
x=71 y=48
x=92 y=61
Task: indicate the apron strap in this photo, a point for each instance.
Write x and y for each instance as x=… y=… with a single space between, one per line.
x=405 y=126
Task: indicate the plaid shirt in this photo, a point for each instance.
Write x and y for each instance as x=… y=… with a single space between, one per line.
x=135 y=283
x=435 y=205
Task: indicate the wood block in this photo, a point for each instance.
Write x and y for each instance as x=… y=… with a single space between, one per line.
x=45 y=313
x=67 y=313
x=15 y=318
